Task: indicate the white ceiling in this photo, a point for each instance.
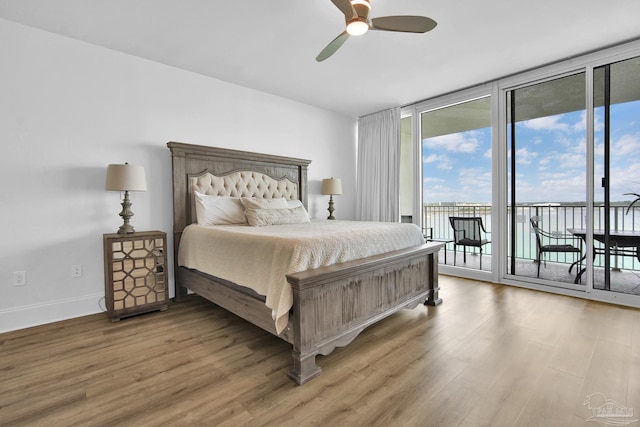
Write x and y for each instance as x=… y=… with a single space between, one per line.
x=271 y=45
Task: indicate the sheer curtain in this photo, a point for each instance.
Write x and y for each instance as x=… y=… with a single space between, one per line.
x=378 y=194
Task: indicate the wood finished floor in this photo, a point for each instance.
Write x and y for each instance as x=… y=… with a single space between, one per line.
x=490 y=355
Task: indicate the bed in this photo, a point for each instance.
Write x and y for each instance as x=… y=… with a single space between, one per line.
x=331 y=304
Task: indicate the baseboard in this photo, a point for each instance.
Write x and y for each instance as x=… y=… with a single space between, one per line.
x=12 y=319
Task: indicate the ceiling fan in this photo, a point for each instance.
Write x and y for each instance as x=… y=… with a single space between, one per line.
x=356 y=15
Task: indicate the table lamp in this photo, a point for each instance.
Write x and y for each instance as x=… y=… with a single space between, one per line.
x=126 y=178
x=331 y=186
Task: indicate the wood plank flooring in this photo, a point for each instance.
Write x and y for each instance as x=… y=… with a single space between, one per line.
x=490 y=355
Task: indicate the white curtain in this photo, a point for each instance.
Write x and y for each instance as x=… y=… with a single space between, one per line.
x=378 y=187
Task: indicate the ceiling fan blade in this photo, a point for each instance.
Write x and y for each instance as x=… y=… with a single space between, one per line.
x=332 y=47
x=405 y=24
x=346 y=8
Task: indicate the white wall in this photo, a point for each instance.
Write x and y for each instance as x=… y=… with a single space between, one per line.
x=67 y=109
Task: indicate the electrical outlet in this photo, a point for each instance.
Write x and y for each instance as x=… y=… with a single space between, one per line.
x=19 y=278
x=76 y=271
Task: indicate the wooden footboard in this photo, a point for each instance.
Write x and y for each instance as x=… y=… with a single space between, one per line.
x=333 y=304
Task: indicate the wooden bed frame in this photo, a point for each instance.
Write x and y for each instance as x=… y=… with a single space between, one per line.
x=331 y=305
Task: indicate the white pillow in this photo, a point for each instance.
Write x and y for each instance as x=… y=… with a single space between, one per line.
x=257 y=203
x=293 y=203
x=296 y=204
x=261 y=217
x=218 y=210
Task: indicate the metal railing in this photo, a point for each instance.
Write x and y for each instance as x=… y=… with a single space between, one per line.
x=554 y=218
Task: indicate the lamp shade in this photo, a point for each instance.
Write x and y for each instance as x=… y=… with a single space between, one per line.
x=125 y=178
x=331 y=186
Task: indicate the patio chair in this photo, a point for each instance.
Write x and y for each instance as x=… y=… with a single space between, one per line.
x=468 y=231
x=551 y=242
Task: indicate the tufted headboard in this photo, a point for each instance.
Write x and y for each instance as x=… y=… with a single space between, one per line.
x=242 y=184
x=222 y=171
x=245 y=184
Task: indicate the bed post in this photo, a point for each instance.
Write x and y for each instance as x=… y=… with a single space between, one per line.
x=179 y=212
x=433 y=299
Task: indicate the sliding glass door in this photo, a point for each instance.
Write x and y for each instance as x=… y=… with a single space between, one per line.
x=616 y=224
x=546 y=139
x=549 y=239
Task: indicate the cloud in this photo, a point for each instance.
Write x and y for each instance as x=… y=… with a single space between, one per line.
x=433 y=180
x=581 y=124
x=463 y=142
x=562 y=187
x=571 y=161
x=474 y=184
x=579 y=146
x=552 y=186
x=524 y=156
x=441 y=161
x=627 y=145
x=544 y=164
x=549 y=123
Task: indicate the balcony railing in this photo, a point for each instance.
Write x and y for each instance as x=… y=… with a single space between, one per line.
x=554 y=218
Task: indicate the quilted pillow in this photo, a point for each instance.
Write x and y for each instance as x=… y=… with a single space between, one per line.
x=257 y=203
x=218 y=210
x=261 y=217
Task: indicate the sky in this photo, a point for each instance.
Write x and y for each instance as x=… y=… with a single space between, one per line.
x=551 y=159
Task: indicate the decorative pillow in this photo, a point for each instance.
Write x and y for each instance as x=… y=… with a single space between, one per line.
x=218 y=210
x=257 y=203
x=261 y=217
x=294 y=203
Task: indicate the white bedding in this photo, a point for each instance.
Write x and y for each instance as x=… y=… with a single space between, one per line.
x=259 y=257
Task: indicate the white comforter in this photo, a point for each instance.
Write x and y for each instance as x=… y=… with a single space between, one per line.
x=259 y=257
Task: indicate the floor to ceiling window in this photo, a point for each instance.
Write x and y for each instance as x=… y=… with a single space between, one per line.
x=549 y=160
x=456 y=180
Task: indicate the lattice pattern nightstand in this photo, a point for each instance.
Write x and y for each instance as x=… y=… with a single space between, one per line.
x=135 y=270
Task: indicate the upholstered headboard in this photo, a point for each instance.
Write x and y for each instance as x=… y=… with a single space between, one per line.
x=221 y=171
x=245 y=184
x=241 y=184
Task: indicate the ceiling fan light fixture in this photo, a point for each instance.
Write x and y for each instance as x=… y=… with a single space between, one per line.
x=356 y=17
x=357 y=27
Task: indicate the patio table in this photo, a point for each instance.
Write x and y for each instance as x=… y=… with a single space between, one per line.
x=623 y=243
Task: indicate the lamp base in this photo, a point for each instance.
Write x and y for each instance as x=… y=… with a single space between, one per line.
x=126 y=215
x=331 y=207
x=126 y=229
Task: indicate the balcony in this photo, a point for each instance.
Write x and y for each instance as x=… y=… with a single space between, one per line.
x=555 y=218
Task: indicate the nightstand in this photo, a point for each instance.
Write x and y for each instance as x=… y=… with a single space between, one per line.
x=135 y=273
